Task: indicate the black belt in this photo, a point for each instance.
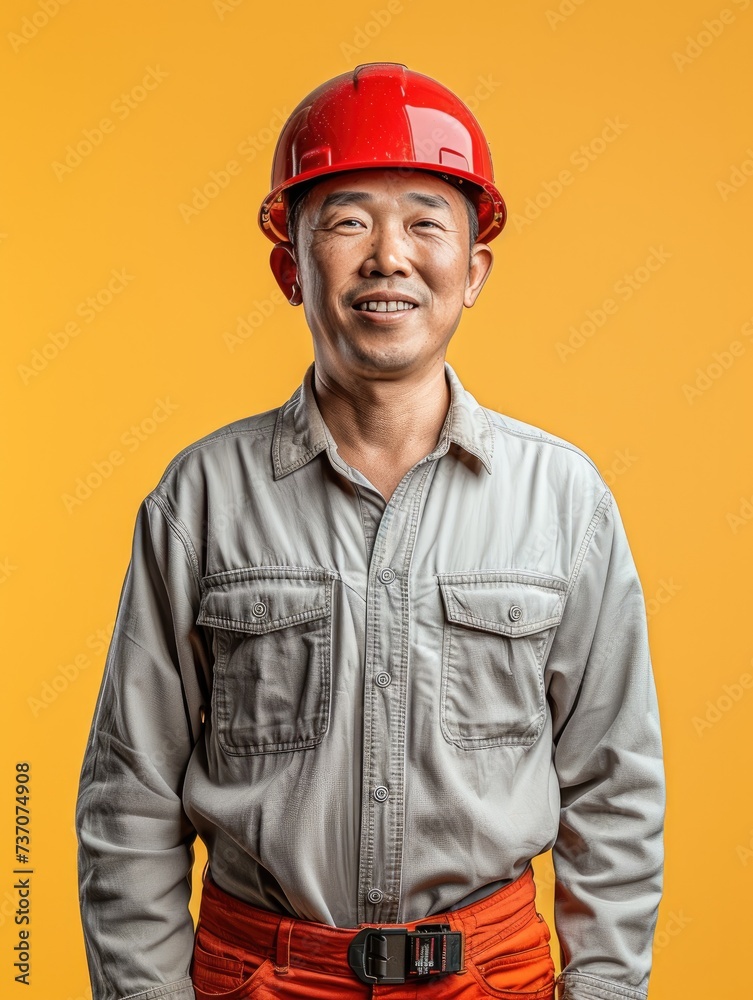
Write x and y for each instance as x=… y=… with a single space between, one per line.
x=387 y=955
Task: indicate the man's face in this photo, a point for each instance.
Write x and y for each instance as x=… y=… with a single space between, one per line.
x=375 y=235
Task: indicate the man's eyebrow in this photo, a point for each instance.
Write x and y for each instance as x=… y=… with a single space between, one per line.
x=345 y=198
x=339 y=198
x=429 y=200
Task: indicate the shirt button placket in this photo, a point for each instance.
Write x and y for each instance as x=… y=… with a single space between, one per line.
x=387 y=611
x=378 y=849
x=386 y=577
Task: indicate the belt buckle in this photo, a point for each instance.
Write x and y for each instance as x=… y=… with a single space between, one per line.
x=387 y=956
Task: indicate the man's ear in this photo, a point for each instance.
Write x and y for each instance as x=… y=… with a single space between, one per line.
x=480 y=267
x=285 y=270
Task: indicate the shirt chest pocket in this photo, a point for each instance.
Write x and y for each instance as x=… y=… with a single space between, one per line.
x=497 y=630
x=272 y=639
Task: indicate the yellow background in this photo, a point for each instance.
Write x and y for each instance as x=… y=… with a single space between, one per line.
x=187 y=87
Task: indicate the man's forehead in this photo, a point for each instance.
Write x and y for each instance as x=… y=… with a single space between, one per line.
x=364 y=186
x=353 y=197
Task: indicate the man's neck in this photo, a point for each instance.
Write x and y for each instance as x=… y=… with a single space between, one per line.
x=384 y=426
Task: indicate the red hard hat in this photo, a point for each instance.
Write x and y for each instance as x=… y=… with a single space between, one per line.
x=383 y=115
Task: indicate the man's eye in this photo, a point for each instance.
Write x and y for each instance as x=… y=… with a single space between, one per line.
x=427 y=222
x=344 y=222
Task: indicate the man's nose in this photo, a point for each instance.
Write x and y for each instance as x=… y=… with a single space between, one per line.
x=388 y=251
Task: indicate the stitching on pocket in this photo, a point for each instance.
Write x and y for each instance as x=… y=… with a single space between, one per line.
x=505 y=663
x=545 y=992
x=252 y=661
x=244 y=989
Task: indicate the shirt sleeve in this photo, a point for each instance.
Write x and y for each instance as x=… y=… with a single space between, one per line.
x=608 y=856
x=135 y=842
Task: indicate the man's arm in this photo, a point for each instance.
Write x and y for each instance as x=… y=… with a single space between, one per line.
x=608 y=856
x=135 y=841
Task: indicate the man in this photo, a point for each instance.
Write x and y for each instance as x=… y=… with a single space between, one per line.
x=379 y=646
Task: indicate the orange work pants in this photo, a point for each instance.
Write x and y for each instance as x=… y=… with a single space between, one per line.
x=241 y=951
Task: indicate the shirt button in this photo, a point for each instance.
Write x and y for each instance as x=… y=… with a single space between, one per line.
x=516 y=613
x=381 y=794
x=383 y=679
x=375 y=896
x=259 y=609
x=387 y=575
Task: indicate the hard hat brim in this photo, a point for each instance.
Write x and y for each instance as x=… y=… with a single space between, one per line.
x=489 y=203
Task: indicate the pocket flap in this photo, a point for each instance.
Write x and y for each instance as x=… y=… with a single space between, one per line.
x=508 y=606
x=261 y=601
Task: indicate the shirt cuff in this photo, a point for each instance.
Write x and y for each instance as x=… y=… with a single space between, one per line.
x=180 y=990
x=578 y=986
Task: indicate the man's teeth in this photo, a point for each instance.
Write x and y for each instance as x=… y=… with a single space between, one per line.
x=392 y=306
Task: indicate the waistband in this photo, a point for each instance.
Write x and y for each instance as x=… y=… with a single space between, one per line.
x=324 y=948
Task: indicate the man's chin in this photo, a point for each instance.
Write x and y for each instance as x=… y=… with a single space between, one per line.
x=387 y=361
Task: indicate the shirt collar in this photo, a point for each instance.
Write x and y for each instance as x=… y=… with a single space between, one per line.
x=300 y=432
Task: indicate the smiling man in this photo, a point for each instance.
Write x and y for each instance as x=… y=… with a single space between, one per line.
x=378 y=647
x=388 y=264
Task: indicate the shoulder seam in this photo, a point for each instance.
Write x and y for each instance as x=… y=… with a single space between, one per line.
x=543 y=437
x=178 y=529
x=210 y=439
x=602 y=506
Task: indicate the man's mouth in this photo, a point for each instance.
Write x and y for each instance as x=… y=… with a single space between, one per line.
x=381 y=306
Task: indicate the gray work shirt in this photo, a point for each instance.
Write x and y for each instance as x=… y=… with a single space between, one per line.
x=374 y=711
